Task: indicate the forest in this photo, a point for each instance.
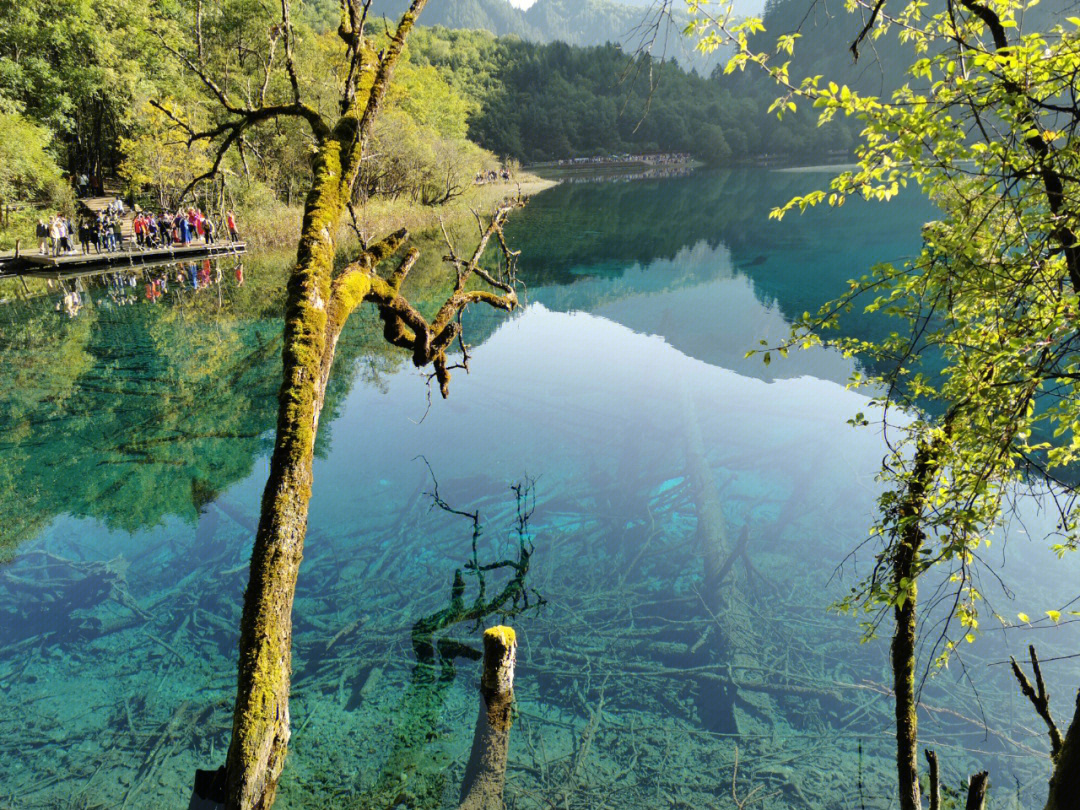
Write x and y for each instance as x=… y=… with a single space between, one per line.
x=81 y=94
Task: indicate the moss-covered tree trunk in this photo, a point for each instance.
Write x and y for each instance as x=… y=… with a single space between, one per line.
x=317 y=306
x=485 y=774
x=903 y=663
x=261 y=717
x=318 y=303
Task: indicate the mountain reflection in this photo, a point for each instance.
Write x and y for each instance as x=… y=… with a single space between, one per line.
x=134 y=396
x=697 y=260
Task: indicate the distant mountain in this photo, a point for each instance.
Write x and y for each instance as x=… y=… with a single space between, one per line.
x=742 y=8
x=575 y=22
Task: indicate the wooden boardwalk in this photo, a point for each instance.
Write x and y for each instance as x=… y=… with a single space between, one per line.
x=28 y=262
x=34 y=264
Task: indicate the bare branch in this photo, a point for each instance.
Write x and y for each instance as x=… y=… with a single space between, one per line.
x=1039 y=699
x=854 y=47
x=377 y=95
x=290 y=65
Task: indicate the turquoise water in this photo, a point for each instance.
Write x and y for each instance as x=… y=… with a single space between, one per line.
x=135 y=450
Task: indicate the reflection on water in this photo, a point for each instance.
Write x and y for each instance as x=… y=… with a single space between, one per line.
x=134 y=466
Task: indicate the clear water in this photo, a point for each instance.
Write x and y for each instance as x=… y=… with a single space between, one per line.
x=134 y=450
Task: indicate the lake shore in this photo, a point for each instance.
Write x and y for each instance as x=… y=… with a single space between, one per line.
x=277 y=231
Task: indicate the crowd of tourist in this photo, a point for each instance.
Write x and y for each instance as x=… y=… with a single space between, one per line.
x=625 y=176
x=648 y=159
x=491 y=176
x=105 y=233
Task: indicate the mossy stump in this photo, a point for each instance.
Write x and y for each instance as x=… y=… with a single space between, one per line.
x=485 y=775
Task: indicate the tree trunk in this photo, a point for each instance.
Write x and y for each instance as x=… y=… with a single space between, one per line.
x=935 y=787
x=261 y=716
x=485 y=775
x=722 y=581
x=977 y=785
x=907 y=723
x=909 y=539
x=1065 y=782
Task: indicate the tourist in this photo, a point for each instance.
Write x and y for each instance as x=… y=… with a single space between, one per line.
x=70 y=304
x=54 y=235
x=208 y=230
x=118 y=233
x=84 y=237
x=43 y=237
x=107 y=232
x=63 y=234
x=164 y=230
x=94 y=235
x=230 y=223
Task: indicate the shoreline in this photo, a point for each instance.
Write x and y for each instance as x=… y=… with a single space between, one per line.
x=378 y=217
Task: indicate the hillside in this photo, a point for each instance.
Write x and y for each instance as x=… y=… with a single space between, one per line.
x=539 y=102
x=575 y=22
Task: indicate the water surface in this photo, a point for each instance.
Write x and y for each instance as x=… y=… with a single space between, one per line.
x=135 y=449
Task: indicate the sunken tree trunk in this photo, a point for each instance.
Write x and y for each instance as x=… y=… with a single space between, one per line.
x=485 y=775
x=723 y=582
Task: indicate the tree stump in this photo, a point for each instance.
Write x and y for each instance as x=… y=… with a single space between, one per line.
x=485 y=775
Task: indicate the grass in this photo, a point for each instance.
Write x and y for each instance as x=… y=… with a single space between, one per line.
x=279 y=226
x=20 y=226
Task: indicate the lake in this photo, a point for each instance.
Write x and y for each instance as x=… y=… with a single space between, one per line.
x=138 y=418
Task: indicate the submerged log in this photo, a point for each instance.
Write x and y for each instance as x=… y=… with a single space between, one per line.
x=723 y=581
x=485 y=775
x=977 y=787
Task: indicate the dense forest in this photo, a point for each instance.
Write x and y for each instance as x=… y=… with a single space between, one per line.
x=548 y=102
x=81 y=95
x=77 y=82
